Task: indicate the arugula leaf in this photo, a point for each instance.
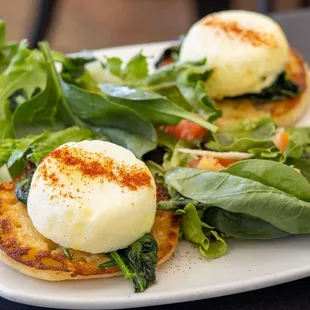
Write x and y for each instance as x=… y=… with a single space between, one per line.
x=288 y=180
x=6 y=149
x=153 y=107
x=210 y=244
x=240 y=225
x=74 y=71
x=281 y=89
x=16 y=162
x=244 y=137
x=240 y=195
x=136 y=69
x=52 y=140
x=24 y=72
x=76 y=106
x=190 y=84
x=36 y=147
x=41 y=110
x=271 y=153
x=2 y=34
x=181 y=82
x=114 y=65
x=7 y=49
x=203 y=104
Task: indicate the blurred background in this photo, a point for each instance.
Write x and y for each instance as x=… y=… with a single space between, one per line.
x=72 y=25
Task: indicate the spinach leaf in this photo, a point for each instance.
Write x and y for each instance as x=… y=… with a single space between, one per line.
x=173 y=94
x=23 y=185
x=22 y=188
x=166 y=140
x=303 y=165
x=156 y=170
x=240 y=195
x=240 y=225
x=178 y=202
x=119 y=123
x=281 y=89
x=210 y=244
x=154 y=107
x=273 y=174
x=75 y=106
x=138 y=262
x=142 y=260
x=244 y=137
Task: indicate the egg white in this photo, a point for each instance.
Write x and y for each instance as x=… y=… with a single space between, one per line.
x=240 y=63
x=90 y=214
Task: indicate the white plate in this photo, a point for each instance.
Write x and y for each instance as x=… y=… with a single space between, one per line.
x=247 y=265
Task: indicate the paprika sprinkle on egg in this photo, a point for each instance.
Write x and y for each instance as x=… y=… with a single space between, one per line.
x=97 y=166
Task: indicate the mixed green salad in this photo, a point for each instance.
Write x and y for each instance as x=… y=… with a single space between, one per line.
x=249 y=181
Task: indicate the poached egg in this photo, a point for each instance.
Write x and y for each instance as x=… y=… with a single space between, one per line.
x=92 y=196
x=246 y=50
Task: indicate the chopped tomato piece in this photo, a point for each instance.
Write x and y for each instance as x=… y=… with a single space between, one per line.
x=209 y=163
x=226 y=161
x=188 y=130
x=170 y=130
x=194 y=163
x=281 y=140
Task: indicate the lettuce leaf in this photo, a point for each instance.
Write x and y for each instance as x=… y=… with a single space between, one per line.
x=244 y=137
x=209 y=243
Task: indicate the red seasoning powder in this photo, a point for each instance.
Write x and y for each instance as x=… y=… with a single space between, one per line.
x=95 y=166
x=234 y=31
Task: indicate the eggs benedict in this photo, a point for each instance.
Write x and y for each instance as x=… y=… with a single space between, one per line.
x=92 y=196
x=255 y=72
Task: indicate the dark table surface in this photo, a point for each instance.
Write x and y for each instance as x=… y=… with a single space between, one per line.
x=290 y=296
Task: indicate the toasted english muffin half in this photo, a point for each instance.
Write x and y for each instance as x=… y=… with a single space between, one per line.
x=23 y=248
x=284 y=113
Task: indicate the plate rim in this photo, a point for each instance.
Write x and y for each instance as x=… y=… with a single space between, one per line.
x=157 y=298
